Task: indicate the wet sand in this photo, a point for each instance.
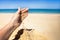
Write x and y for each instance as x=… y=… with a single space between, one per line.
x=48 y=24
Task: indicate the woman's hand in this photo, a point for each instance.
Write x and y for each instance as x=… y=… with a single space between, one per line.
x=19 y=16
x=13 y=24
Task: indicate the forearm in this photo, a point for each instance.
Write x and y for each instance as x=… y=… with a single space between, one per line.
x=6 y=31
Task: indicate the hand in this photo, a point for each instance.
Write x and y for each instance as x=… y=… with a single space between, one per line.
x=13 y=24
x=19 y=16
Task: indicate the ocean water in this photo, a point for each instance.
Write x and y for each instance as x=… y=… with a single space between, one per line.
x=32 y=11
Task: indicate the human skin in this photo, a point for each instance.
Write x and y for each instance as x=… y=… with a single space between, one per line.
x=15 y=22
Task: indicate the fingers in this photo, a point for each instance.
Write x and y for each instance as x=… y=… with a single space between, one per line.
x=24 y=10
x=24 y=13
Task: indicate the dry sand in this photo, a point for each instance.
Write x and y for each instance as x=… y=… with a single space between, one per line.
x=48 y=24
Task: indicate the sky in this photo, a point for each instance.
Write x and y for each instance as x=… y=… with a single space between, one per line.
x=35 y=4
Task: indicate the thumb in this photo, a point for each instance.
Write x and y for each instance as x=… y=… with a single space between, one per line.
x=19 y=11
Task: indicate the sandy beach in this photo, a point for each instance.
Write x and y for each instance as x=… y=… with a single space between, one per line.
x=48 y=23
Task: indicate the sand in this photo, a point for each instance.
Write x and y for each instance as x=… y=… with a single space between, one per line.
x=48 y=24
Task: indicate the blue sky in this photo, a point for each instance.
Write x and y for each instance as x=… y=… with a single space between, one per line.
x=37 y=4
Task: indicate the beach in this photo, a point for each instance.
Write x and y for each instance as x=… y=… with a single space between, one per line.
x=48 y=23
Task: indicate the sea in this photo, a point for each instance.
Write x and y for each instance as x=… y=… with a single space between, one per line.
x=53 y=11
